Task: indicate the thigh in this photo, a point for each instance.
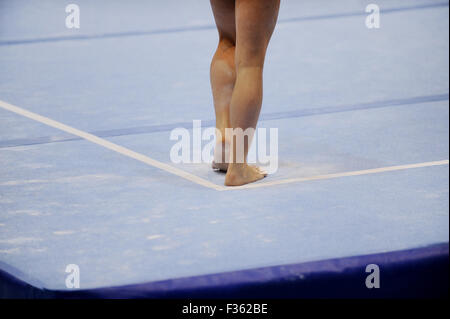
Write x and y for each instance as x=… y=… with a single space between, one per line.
x=224 y=15
x=255 y=22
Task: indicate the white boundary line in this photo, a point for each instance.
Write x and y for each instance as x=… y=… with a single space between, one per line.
x=344 y=174
x=193 y=178
x=114 y=147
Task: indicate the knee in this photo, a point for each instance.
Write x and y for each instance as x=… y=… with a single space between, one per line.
x=225 y=53
x=226 y=44
x=252 y=55
x=253 y=60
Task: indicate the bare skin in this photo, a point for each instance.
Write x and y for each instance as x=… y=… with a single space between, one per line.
x=245 y=28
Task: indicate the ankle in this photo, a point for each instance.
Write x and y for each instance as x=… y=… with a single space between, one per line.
x=237 y=167
x=221 y=152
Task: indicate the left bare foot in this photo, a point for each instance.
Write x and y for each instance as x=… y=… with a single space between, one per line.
x=222 y=167
x=221 y=154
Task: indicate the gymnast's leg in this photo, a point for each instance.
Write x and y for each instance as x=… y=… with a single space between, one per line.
x=255 y=22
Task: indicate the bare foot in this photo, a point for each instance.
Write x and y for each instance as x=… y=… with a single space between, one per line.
x=241 y=174
x=222 y=167
x=221 y=154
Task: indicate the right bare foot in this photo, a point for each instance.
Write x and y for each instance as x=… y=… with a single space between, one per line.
x=241 y=174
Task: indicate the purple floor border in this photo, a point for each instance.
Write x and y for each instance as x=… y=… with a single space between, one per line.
x=413 y=273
